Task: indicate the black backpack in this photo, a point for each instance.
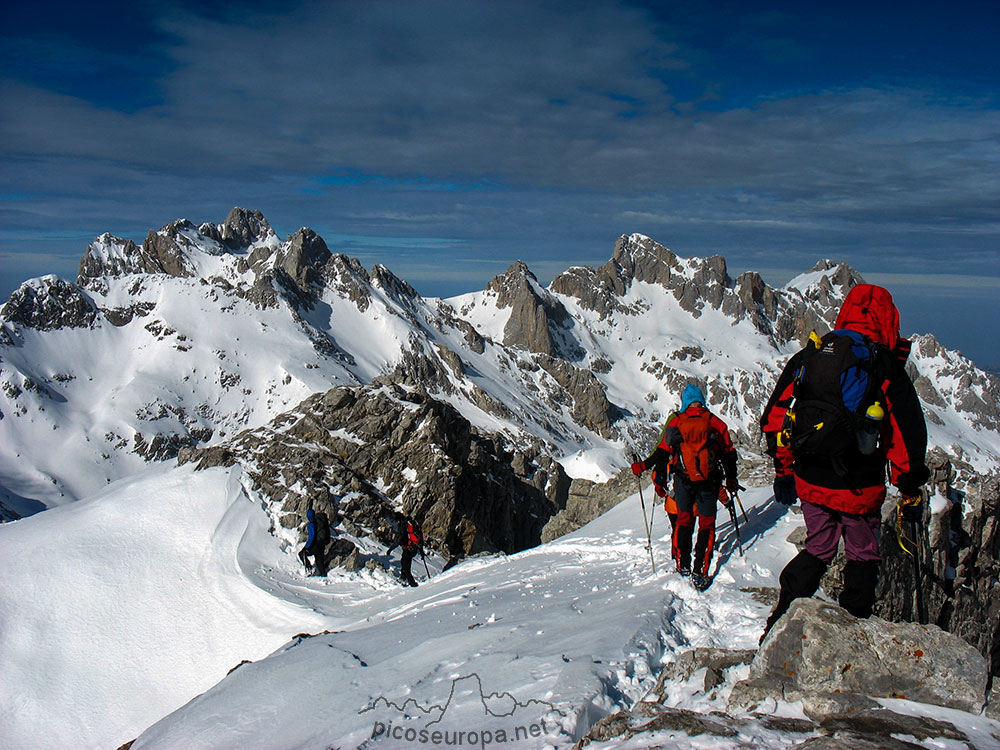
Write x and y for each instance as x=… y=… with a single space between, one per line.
x=840 y=377
x=322 y=530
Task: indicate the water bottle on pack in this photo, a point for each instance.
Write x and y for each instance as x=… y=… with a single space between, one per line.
x=870 y=429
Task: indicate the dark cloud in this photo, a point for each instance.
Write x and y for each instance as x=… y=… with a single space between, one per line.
x=538 y=130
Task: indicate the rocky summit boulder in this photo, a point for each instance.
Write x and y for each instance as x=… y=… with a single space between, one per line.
x=819 y=649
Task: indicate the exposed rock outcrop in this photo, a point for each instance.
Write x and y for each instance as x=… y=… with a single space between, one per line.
x=649 y=717
x=111 y=257
x=960 y=564
x=591 y=407
x=943 y=377
x=834 y=720
x=538 y=322
x=364 y=455
x=165 y=250
x=302 y=256
x=244 y=228
x=586 y=500
x=49 y=303
x=697 y=283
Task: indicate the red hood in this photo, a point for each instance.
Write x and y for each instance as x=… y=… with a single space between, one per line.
x=869 y=309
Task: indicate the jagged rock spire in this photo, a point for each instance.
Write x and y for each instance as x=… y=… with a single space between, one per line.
x=537 y=319
x=244 y=228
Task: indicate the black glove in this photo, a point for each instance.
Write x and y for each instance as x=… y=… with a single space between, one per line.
x=784 y=489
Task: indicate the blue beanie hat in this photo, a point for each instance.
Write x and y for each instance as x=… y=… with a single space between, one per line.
x=691 y=394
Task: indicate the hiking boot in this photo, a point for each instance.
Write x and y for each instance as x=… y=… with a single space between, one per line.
x=684 y=570
x=701 y=582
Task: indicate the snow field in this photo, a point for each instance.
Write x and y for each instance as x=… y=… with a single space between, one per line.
x=122 y=606
x=568 y=632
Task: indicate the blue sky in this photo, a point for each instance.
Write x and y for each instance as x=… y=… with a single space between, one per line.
x=448 y=139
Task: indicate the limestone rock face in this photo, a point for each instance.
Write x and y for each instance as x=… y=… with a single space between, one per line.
x=364 y=455
x=837 y=719
x=586 y=500
x=111 y=257
x=301 y=257
x=635 y=258
x=818 y=648
x=959 y=554
x=243 y=228
x=652 y=717
x=946 y=377
x=700 y=283
x=591 y=407
x=538 y=320
x=165 y=250
x=50 y=303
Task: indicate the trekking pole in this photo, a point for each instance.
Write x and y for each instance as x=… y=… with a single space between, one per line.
x=741 y=488
x=424 y=558
x=645 y=521
x=731 y=507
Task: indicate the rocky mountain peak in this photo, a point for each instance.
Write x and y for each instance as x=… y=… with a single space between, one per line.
x=538 y=321
x=694 y=282
x=640 y=258
x=944 y=377
x=166 y=250
x=827 y=282
x=244 y=228
x=513 y=283
x=303 y=256
x=396 y=288
x=49 y=303
x=111 y=257
x=843 y=274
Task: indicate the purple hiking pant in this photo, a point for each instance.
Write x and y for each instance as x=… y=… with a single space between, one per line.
x=825 y=527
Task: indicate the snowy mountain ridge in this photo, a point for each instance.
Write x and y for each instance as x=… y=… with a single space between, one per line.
x=202 y=332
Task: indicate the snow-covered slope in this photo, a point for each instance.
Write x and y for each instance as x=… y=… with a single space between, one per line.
x=124 y=608
x=121 y=608
x=130 y=602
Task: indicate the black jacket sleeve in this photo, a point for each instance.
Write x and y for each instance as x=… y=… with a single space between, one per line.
x=905 y=433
